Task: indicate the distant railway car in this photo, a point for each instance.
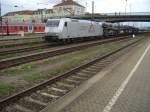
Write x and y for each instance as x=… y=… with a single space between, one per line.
x=67 y=28
x=38 y=28
x=26 y=28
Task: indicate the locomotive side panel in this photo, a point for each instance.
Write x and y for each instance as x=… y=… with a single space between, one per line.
x=84 y=29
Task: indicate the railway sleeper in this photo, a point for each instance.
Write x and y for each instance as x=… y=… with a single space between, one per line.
x=31 y=104
x=107 y=61
x=57 y=89
x=40 y=97
x=93 y=69
x=64 y=90
x=79 y=77
x=50 y=95
x=84 y=75
x=61 y=87
x=68 y=82
x=19 y=108
x=36 y=101
x=65 y=85
x=53 y=92
x=73 y=81
x=87 y=71
x=100 y=65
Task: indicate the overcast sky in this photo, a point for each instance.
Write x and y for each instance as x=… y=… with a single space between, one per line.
x=101 y=6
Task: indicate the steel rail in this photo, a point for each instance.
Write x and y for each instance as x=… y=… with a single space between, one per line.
x=7 y=45
x=6 y=63
x=25 y=49
x=27 y=92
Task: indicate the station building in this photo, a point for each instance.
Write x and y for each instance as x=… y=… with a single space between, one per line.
x=65 y=8
x=68 y=7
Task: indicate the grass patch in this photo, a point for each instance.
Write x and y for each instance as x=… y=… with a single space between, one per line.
x=6 y=88
x=19 y=54
x=77 y=59
x=81 y=55
x=8 y=56
x=20 y=69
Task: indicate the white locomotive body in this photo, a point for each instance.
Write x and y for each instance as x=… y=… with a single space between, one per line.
x=67 y=28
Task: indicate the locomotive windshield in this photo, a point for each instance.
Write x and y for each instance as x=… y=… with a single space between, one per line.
x=53 y=23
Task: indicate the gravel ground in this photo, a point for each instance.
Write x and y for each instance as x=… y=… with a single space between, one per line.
x=17 y=79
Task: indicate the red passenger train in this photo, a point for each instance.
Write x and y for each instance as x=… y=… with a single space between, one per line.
x=22 y=27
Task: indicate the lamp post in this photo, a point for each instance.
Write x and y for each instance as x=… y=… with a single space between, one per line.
x=126 y=7
x=43 y=15
x=43 y=11
x=1 y=19
x=0 y=11
x=130 y=8
x=7 y=22
x=93 y=4
x=7 y=27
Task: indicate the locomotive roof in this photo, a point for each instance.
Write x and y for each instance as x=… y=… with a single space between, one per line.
x=77 y=20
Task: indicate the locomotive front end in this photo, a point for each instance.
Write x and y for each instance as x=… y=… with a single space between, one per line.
x=52 y=29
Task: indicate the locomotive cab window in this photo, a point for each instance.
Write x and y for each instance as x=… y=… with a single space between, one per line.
x=53 y=23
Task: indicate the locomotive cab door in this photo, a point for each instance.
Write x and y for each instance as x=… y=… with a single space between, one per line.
x=65 y=31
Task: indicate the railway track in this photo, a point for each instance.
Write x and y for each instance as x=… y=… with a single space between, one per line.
x=21 y=49
x=11 y=62
x=36 y=98
x=25 y=48
x=16 y=39
x=20 y=42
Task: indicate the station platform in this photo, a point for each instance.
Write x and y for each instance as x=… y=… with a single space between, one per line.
x=124 y=86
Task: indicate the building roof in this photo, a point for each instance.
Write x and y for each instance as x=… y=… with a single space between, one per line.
x=24 y=12
x=68 y=2
x=40 y=10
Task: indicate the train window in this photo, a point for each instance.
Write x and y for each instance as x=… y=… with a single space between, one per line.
x=4 y=27
x=21 y=27
x=25 y=28
x=43 y=28
x=52 y=23
x=35 y=28
x=11 y=27
x=0 y=27
x=15 y=28
x=40 y=28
